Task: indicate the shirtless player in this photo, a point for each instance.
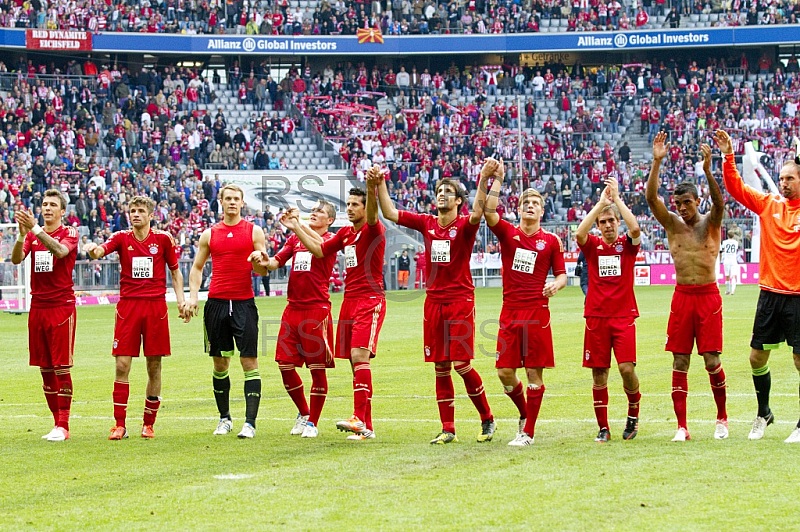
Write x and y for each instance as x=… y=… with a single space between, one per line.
x=696 y=313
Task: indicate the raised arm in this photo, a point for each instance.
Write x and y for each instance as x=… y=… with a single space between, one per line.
x=18 y=252
x=387 y=205
x=481 y=205
x=26 y=219
x=734 y=184
x=196 y=273
x=372 y=199
x=660 y=210
x=582 y=233
x=310 y=239
x=717 y=201
x=634 y=231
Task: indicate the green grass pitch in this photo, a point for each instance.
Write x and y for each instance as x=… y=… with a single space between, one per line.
x=187 y=479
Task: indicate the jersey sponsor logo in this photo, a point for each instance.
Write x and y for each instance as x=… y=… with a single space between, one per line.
x=42 y=262
x=610 y=266
x=142 y=268
x=440 y=251
x=524 y=260
x=302 y=261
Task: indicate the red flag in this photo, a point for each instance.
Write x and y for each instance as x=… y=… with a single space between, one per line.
x=372 y=35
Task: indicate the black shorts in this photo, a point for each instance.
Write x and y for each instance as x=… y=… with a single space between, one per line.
x=777 y=320
x=225 y=321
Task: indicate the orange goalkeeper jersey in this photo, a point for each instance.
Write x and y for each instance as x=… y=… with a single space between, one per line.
x=780 y=231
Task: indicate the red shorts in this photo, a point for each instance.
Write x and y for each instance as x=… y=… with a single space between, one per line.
x=525 y=339
x=360 y=322
x=138 y=319
x=306 y=337
x=696 y=314
x=51 y=336
x=603 y=334
x=449 y=331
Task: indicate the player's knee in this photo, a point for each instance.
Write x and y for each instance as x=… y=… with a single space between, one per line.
x=627 y=371
x=680 y=362
x=600 y=376
x=506 y=375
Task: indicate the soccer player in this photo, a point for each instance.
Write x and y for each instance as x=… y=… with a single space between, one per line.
x=306 y=332
x=364 y=305
x=778 y=312
x=449 y=313
x=525 y=339
x=230 y=314
x=696 y=313
x=141 y=314
x=610 y=309
x=51 y=321
x=730 y=264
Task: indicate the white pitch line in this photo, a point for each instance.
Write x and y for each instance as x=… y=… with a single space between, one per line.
x=379 y=397
x=513 y=421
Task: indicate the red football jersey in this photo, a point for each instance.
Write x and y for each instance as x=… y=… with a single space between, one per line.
x=363 y=259
x=51 y=278
x=231 y=246
x=447 y=254
x=526 y=263
x=610 y=278
x=143 y=263
x=310 y=276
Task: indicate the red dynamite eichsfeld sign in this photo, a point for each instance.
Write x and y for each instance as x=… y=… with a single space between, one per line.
x=58 y=40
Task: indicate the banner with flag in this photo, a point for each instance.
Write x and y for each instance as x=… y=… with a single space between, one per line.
x=371 y=35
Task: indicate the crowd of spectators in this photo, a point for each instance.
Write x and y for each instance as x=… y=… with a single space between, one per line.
x=344 y=17
x=444 y=123
x=102 y=134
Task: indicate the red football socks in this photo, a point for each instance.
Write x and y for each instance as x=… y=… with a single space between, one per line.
x=64 y=380
x=294 y=387
x=680 y=389
x=600 y=395
x=362 y=387
x=50 y=387
x=445 y=399
x=717 y=377
x=534 y=403
x=319 y=392
x=518 y=398
x=120 y=396
x=475 y=390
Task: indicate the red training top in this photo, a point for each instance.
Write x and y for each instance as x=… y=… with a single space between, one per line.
x=310 y=276
x=447 y=254
x=610 y=278
x=143 y=263
x=527 y=259
x=231 y=246
x=51 y=278
x=363 y=259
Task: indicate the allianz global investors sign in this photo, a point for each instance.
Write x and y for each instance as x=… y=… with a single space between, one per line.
x=622 y=40
x=58 y=40
x=251 y=44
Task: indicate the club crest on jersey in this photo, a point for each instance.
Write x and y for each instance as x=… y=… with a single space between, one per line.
x=427 y=351
x=618 y=248
x=453 y=233
x=116 y=343
x=540 y=245
x=153 y=249
x=587 y=354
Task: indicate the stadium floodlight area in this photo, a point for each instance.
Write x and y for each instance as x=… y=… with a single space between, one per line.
x=15 y=290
